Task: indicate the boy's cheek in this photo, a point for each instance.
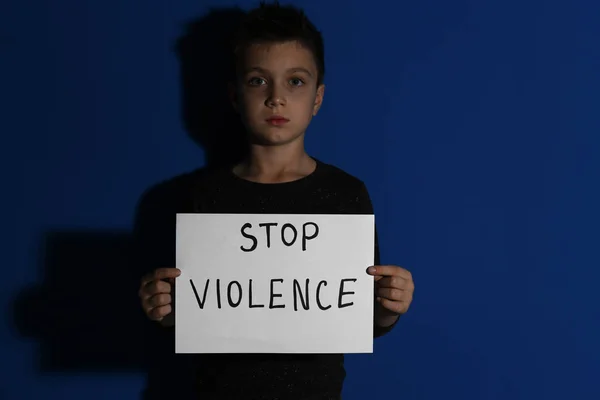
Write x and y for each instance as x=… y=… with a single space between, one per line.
x=252 y=100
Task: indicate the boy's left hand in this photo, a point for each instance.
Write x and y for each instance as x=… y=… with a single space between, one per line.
x=394 y=288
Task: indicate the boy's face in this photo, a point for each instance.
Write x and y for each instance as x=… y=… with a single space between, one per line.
x=277 y=93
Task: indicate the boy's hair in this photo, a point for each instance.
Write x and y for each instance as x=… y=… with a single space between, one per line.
x=275 y=23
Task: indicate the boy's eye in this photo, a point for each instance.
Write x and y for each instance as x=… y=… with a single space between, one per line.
x=296 y=82
x=256 y=81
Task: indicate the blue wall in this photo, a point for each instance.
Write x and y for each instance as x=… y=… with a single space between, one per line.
x=474 y=123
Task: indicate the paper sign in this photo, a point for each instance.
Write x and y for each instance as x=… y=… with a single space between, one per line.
x=274 y=283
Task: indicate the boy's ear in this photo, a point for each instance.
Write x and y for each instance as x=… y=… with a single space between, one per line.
x=233 y=98
x=319 y=99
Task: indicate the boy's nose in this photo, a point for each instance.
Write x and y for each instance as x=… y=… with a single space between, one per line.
x=275 y=98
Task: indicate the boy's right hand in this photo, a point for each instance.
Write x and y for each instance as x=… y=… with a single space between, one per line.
x=156 y=293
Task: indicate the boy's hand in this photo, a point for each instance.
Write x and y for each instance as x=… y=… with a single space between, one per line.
x=155 y=292
x=394 y=289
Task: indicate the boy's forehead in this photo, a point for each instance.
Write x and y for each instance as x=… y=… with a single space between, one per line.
x=280 y=55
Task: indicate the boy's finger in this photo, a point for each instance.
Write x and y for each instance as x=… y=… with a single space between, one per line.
x=159 y=313
x=156 y=287
x=161 y=273
x=391 y=294
x=153 y=288
x=393 y=282
x=160 y=300
x=388 y=270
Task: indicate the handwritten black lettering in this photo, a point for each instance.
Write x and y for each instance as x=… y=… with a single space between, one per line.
x=300 y=290
x=283 y=228
x=248 y=236
x=219 y=293
x=250 y=297
x=306 y=238
x=324 y=283
x=310 y=230
x=200 y=302
x=303 y=299
x=268 y=225
x=342 y=293
x=233 y=304
x=273 y=295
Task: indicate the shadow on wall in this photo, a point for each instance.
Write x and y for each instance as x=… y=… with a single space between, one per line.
x=86 y=314
x=206 y=66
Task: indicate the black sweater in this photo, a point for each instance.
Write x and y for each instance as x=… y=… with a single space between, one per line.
x=328 y=190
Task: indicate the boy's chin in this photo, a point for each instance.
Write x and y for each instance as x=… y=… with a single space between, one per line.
x=280 y=138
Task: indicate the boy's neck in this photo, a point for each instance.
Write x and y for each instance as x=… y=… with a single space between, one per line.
x=275 y=164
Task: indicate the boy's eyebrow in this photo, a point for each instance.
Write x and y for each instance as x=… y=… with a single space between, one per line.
x=295 y=69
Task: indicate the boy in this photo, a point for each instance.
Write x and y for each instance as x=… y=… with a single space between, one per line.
x=278 y=89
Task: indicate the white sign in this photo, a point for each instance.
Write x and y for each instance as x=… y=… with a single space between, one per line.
x=274 y=283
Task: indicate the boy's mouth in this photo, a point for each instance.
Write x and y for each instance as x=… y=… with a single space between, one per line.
x=277 y=120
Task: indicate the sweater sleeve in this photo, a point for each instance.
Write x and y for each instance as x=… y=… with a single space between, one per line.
x=365 y=206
